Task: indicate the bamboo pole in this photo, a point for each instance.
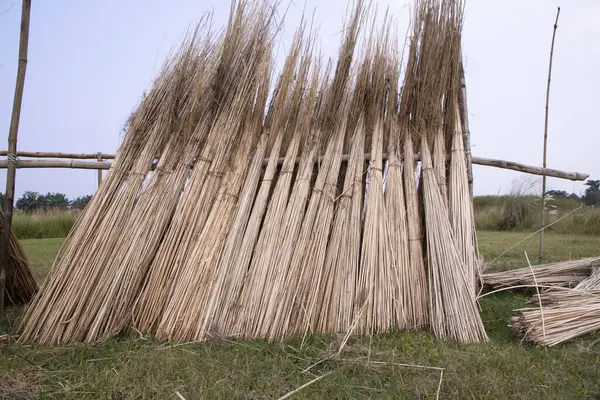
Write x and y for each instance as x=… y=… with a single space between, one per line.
x=12 y=148
x=489 y=162
x=464 y=119
x=543 y=203
x=51 y=154
x=99 y=155
x=529 y=169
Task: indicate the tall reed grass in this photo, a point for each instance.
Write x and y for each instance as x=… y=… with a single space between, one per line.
x=44 y=224
x=521 y=213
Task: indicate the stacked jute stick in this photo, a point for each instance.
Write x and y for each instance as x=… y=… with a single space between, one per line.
x=560 y=315
x=564 y=273
x=212 y=242
x=567 y=303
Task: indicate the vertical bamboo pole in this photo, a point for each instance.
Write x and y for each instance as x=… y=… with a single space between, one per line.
x=99 y=158
x=12 y=148
x=543 y=202
x=464 y=116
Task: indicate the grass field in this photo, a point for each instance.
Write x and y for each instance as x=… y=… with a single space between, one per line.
x=133 y=366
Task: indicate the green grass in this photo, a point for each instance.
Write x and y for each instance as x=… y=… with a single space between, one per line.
x=43 y=225
x=133 y=366
x=522 y=213
x=557 y=247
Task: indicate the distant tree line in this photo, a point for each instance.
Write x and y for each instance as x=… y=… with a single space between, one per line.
x=591 y=196
x=34 y=201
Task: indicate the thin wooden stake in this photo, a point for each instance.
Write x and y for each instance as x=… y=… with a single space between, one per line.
x=543 y=203
x=99 y=158
x=12 y=148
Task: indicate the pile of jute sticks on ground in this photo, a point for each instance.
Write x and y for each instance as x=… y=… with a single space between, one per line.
x=564 y=273
x=557 y=315
x=261 y=218
x=567 y=303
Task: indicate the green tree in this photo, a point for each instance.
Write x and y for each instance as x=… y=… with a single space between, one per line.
x=28 y=202
x=81 y=202
x=558 y=194
x=592 y=193
x=53 y=201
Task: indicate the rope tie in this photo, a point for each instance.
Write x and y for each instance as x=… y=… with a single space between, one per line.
x=216 y=174
x=230 y=195
x=13 y=159
x=200 y=158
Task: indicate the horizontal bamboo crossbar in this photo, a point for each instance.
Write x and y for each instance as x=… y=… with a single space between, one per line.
x=78 y=164
x=48 y=154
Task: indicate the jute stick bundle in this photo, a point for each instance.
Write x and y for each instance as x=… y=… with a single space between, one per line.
x=190 y=295
x=260 y=282
x=59 y=315
x=20 y=283
x=342 y=259
x=591 y=283
x=565 y=314
x=237 y=254
x=233 y=75
x=453 y=308
x=188 y=237
x=461 y=208
x=417 y=289
x=378 y=279
x=564 y=273
x=296 y=309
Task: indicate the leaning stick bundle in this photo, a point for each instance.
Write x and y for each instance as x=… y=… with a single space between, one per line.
x=299 y=222
x=395 y=207
x=417 y=311
x=196 y=201
x=296 y=307
x=453 y=308
x=565 y=314
x=20 y=283
x=342 y=259
x=335 y=304
x=185 y=314
x=281 y=249
x=564 y=273
x=377 y=283
x=129 y=260
x=68 y=312
x=259 y=281
x=378 y=278
x=234 y=263
x=213 y=296
x=42 y=319
x=462 y=217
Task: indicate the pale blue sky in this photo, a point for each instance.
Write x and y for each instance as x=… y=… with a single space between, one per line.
x=89 y=63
